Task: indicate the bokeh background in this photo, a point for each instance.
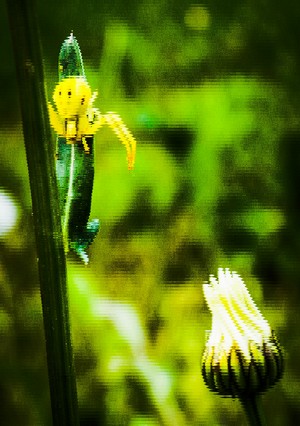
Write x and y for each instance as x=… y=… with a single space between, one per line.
x=211 y=92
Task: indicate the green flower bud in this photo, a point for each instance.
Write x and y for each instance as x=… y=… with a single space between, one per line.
x=242 y=356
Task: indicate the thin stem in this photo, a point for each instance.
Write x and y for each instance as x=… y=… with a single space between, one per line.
x=46 y=210
x=254 y=411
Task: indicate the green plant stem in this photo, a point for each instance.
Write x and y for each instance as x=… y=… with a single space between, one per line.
x=254 y=411
x=46 y=213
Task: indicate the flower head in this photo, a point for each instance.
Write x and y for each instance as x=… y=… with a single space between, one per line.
x=242 y=356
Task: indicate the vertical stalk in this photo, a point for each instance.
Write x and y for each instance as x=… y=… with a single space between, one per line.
x=46 y=211
x=253 y=409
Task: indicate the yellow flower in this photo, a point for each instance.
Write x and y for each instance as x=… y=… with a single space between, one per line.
x=242 y=356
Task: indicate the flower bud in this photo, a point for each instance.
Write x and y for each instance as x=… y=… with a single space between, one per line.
x=242 y=355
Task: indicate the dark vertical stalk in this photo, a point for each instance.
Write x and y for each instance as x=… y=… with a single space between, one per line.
x=45 y=205
x=253 y=410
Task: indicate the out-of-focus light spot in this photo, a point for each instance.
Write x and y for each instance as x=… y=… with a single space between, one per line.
x=8 y=212
x=125 y=319
x=160 y=379
x=116 y=363
x=197 y=18
x=142 y=421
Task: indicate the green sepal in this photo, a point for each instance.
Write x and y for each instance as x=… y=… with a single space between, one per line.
x=70 y=61
x=81 y=232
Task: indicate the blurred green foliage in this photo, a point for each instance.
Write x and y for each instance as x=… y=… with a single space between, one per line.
x=211 y=93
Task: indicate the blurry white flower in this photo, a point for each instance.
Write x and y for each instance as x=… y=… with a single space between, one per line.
x=242 y=355
x=8 y=212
